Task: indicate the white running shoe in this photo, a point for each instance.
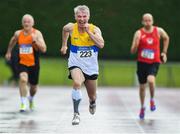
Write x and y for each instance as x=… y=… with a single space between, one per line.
x=76 y=119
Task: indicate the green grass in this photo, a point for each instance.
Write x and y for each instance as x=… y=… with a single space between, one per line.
x=4 y=71
x=169 y=75
x=54 y=72
x=112 y=73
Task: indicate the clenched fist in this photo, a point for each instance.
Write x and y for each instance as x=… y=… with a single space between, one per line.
x=63 y=50
x=163 y=57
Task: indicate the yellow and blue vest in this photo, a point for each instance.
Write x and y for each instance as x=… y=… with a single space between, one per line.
x=83 y=51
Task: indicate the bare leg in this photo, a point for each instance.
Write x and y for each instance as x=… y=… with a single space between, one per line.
x=78 y=79
x=23 y=84
x=23 y=89
x=33 y=90
x=151 y=82
x=91 y=90
x=142 y=94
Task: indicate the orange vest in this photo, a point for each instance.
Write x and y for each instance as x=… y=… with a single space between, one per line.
x=26 y=51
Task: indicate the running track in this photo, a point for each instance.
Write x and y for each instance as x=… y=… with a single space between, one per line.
x=117 y=112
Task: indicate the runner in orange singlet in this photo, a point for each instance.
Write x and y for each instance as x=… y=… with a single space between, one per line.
x=147 y=42
x=31 y=43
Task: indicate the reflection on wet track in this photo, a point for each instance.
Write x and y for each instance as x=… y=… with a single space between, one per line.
x=117 y=112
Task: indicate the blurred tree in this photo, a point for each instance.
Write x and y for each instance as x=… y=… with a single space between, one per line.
x=118 y=20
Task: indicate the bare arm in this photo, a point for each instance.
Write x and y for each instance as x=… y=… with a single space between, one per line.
x=67 y=29
x=96 y=36
x=135 y=42
x=38 y=40
x=12 y=43
x=165 y=38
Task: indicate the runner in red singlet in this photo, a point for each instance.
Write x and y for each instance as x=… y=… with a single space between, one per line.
x=146 y=42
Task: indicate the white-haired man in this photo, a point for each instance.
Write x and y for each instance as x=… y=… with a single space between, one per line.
x=30 y=42
x=147 y=42
x=86 y=39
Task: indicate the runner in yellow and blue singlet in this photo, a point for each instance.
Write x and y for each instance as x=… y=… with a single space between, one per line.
x=86 y=39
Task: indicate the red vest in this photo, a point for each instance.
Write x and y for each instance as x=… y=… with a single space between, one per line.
x=149 y=47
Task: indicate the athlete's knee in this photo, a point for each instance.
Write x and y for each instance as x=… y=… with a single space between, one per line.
x=23 y=78
x=142 y=87
x=33 y=87
x=77 y=84
x=151 y=79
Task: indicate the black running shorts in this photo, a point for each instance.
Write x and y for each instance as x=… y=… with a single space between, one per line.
x=86 y=76
x=33 y=73
x=145 y=69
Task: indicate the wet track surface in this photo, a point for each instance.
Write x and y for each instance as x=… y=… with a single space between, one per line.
x=117 y=112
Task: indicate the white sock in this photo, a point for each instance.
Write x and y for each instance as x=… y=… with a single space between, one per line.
x=23 y=100
x=31 y=98
x=76 y=94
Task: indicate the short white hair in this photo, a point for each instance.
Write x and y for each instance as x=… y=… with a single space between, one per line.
x=147 y=15
x=83 y=8
x=28 y=16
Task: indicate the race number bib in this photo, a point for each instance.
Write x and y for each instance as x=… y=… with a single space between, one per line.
x=147 y=53
x=84 y=52
x=26 y=49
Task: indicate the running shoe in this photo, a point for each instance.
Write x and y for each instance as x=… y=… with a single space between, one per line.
x=31 y=105
x=92 y=107
x=22 y=107
x=76 y=119
x=142 y=113
x=152 y=105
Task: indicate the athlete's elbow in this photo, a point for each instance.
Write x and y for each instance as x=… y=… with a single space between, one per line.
x=65 y=29
x=101 y=45
x=167 y=39
x=43 y=50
